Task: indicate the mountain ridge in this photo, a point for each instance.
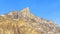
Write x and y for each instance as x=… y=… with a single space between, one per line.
x=28 y=21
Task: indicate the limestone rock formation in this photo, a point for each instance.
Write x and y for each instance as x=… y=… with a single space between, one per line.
x=23 y=22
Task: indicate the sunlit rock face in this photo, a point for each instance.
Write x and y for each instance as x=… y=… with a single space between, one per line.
x=23 y=22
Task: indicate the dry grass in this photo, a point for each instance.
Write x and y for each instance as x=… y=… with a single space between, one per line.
x=15 y=27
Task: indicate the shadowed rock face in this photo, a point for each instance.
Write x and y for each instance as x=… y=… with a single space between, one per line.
x=23 y=22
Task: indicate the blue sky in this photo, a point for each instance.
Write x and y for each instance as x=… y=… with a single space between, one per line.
x=47 y=9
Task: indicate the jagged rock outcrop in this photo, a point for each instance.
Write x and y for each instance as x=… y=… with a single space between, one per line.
x=23 y=22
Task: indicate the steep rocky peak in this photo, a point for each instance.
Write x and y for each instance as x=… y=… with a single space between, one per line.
x=21 y=13
x=24 y=12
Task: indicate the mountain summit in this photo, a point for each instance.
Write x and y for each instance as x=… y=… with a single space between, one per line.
x=23 y=22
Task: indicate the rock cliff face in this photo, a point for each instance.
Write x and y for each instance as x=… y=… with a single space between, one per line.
x=23 y=22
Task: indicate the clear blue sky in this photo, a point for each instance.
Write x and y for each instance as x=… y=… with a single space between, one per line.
x=47 y=9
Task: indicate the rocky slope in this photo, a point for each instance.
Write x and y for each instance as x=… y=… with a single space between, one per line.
x=23 y=22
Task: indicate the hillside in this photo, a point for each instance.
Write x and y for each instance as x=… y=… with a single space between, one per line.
x=23 y=22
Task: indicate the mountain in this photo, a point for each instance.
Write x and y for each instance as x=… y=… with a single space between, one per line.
x=24 y=22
